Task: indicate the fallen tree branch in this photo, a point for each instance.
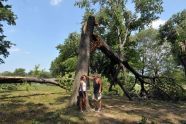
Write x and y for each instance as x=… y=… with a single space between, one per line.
x=115 y=58
x=13 y=80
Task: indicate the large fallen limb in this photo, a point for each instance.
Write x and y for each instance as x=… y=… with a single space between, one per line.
x=116 y=59
x=13 y=80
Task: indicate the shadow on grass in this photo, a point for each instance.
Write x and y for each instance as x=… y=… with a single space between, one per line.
x=107 y=120
x=154 y=110
x=37 y=113
x=10 y=91
x=6 y=96
x=21 y=111
x=15 y=110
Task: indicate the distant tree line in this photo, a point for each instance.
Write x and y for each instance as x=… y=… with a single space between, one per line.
x=35 y=72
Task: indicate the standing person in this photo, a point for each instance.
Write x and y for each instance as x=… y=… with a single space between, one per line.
x=97 y=90
x=82 y=93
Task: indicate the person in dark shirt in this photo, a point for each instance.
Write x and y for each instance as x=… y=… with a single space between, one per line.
x=97 y=91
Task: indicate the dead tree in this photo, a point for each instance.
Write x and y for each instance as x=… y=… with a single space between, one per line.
x=83 y=58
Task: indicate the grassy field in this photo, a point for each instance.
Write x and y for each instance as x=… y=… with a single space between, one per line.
x=47 y=104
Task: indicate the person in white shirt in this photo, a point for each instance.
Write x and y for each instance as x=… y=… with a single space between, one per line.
x=82 y=93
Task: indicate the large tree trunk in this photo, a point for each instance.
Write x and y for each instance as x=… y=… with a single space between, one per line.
x=83 y=58
x=13 y=80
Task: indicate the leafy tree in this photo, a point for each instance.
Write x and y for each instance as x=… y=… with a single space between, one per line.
x=40 y=73
x=155 y=58
x=174 y=32
x=67 y=59
x=35 y=72
x=117 y=22
x=6 y=15
x=19 y=72
x=6 y=73
x=45 y=74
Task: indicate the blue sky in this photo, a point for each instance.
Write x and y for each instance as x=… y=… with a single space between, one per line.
x=43 y=24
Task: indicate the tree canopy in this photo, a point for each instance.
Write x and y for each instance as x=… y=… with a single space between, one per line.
x=127 y=32
x=174 y=32
x=67 y=59
x=6 y=16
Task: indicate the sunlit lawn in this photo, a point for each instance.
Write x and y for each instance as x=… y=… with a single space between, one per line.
x=47 y=104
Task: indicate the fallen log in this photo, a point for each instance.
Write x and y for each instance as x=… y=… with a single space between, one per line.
x=13 y=80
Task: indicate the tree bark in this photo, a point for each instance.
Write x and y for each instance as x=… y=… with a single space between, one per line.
x=13 y=80
x=83 y=58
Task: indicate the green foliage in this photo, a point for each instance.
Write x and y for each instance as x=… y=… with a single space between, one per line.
x=116 y=22
x=153 y=58
x=174 y=29
x=115 y=18
x=6 y=15
x=179 y=76
x=70 y=64
x=99 y=63
x=143 y=120
x=36 y=71
x=40 y=73
x=105 y=85
x=174 y=32
x=35 y=122
x=166 y=91
x=67 y=59
x=19 y=72
x=66 y=80
x=6 y=73
x=4 y=87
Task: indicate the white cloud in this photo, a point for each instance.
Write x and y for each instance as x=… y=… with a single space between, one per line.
x=12 y=31
x=14 y=49
x=27 y=53
x=156 y=24
x=55 y=2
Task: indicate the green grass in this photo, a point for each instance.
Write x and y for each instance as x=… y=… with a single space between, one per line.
x=41 y=104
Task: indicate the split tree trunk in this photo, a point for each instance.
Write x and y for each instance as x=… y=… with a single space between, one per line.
x=83 y=58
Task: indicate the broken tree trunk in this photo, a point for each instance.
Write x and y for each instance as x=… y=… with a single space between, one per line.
x=13 y=80
x=116 y=59
x=114 y=74
x=83 y=58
